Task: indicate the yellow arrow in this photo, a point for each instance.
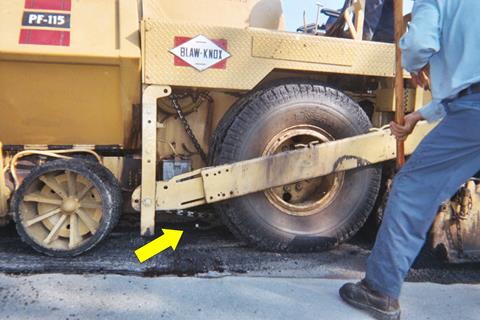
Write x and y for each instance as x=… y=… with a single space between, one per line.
x=170 y=238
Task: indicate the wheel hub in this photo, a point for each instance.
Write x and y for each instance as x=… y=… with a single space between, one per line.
x=69 y=205
x=303 y=198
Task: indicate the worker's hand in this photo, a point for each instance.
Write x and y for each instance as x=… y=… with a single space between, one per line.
x=422 y=78
x=401 y=132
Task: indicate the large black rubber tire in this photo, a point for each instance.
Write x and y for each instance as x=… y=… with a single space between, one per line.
x=102 y=179
x=243 y=134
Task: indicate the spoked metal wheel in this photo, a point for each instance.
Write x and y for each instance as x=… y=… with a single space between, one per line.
x=306 y=197
x=64 y=208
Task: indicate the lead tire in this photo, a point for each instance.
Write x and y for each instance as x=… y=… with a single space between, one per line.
x=327 y=210
x=66 y=207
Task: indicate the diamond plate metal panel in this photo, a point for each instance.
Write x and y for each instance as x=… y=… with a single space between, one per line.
x=305 y=50
x=244 y=70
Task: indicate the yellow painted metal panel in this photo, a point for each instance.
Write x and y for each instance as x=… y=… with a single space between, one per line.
x=82 y=93
x=60 y=104
x=244 y=71
x=95 y=31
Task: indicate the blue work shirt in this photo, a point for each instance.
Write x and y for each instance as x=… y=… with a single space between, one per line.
x=446 y=34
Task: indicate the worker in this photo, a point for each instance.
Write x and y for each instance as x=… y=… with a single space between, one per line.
x=444 y=35
x=378 y=25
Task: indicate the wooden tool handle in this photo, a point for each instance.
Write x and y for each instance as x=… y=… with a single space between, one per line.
x=399 y=89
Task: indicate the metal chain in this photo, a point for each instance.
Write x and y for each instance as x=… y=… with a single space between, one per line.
x=203 y=220
x=462 y=253
x=192 y=214
x=459 y=245
x=461 y=250
x=449 y=235
x=188 y=129
x=204 y=216
x=209 y=218
x=464 y=203
x=444 y=209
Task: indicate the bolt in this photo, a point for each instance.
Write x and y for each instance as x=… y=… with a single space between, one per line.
x=298 y=186
x=147 y=202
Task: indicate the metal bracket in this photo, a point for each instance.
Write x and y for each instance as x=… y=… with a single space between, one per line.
x=4 y=191
x=356 y=12
x=149 y=155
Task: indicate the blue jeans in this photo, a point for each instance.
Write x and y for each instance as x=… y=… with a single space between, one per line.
x=444 y=160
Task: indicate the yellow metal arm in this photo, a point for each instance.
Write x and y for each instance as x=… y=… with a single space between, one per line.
x=219 y=183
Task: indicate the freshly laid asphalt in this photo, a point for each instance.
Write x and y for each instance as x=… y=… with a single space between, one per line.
x=59 y=296
x=217 y=251
x=212 y=275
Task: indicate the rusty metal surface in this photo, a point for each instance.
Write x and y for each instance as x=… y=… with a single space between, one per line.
x=456 y=230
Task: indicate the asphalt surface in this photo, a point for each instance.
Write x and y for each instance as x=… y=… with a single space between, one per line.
x=72 y=297
x=214 y=253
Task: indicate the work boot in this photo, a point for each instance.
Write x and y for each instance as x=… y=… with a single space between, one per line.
x=378 y=305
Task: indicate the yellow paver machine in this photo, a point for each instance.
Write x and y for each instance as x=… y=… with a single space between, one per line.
x=189 y=103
